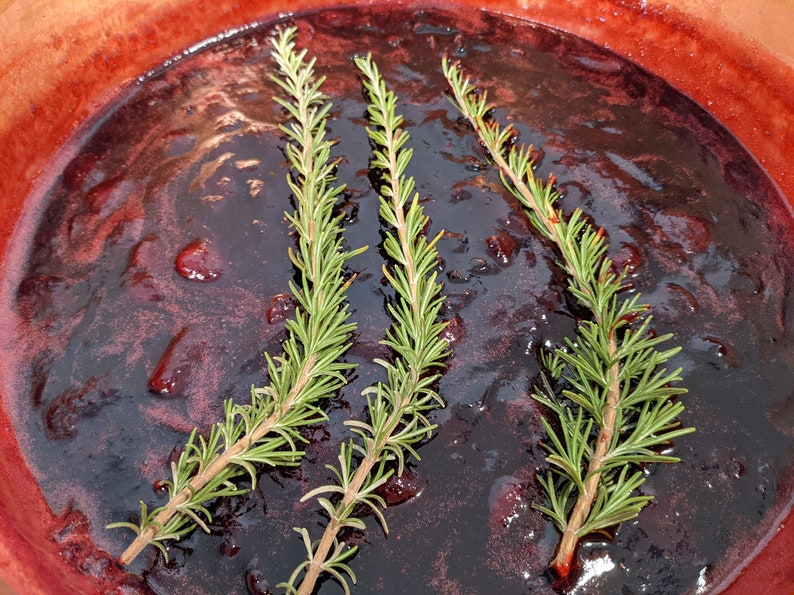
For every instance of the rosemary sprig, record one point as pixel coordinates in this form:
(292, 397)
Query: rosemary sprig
(267, 431)
(396, 408)
(617, 408)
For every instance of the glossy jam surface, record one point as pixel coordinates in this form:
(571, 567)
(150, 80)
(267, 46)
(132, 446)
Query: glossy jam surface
(158, 277)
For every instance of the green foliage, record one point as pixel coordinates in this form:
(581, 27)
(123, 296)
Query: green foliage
(615, 408)
(612, 402)
(267, 430)
(397, 421)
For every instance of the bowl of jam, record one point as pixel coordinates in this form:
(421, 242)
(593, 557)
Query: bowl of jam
(145, 273)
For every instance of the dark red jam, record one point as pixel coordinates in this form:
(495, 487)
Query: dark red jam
(159, 275)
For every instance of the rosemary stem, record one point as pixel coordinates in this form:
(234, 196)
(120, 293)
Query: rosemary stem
(368, 462)
(551, 221)
(218, 464)
(315, 566)
(563, 560)
(610, 416)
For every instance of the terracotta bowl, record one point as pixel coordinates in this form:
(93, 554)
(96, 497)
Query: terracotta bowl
(62, 60)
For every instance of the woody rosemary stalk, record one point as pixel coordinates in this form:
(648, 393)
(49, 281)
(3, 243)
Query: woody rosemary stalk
(397, 407)
(617, 407)
(266, 431)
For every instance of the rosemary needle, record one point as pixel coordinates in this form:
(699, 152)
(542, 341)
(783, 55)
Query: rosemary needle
(397, 407)
(267, 431)
(617, 406)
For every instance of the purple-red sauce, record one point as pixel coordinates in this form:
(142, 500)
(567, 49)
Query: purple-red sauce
(158, 276)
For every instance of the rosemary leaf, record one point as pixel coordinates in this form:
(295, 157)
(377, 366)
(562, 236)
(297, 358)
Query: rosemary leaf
(266, 431)
(618, 409)
(397, 407)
